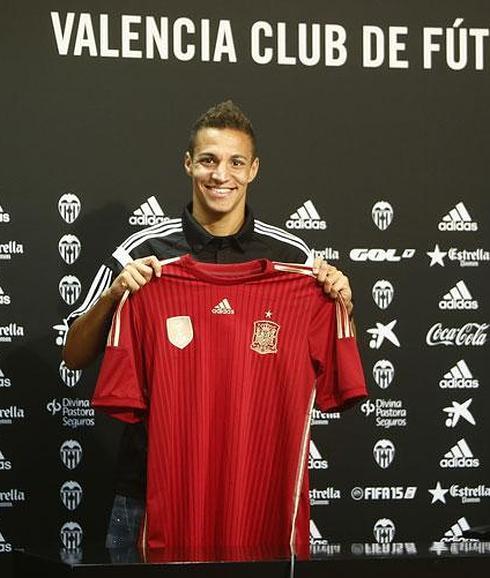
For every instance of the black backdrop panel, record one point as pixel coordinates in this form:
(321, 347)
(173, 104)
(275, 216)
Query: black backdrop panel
(407, 137)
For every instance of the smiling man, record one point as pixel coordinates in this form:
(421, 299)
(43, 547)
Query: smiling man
(217, 227)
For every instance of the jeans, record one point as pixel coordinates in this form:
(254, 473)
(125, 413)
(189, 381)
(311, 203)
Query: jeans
(124, 527)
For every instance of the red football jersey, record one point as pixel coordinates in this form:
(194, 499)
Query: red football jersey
(225, 362)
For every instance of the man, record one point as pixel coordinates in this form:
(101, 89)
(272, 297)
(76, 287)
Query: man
(217, 226)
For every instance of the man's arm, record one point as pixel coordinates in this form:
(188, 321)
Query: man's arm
(87, 335)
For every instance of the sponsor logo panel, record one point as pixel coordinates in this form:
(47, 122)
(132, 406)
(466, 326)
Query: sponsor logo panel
(459, 377)
(4, 298)
(383, 373)
(459, 297)
(383, 493)
(69, 376)
(4, 215)
(71, 453)
(455, 532)
(468, 335)
(319, 545)
(148, 213)
(391, 549)
(384, 453)
(384, 531)
(459, 456)
(363, 255)
(466, 494)
(5, 545)
(465, 257)
(11, 414)
(382, 332)
(382, 214)
(458, 219)
(457, 412)
(323, 497)
(319, 417)
(69, 207)
(5, 463)
(306, 217)
(70, 289)
(69, 247)
(71, 535)
(71, 494)
(10, 249)
(388, 413)
(4, 380)
(11, 332)
(315, 459)
(383, 293)
(9, 498)
(327, 254)
(73, 412)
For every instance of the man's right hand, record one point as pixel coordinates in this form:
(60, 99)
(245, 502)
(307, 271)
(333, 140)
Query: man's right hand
(87, 335)
(134, 276)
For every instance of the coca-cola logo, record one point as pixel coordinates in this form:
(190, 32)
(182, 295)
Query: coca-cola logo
(471, 335)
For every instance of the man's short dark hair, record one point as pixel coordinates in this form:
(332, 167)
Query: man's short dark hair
(223, 115)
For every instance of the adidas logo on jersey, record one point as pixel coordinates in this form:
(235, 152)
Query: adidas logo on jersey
(315, 460)
(223, 308)
(4, 216)
(459, 456)
(4, 299)
(459, 376)
(458, 219)
(458, 297)
(306, 217)
(149, 213)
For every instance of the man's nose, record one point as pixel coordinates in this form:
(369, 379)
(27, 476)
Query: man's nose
(220, 172)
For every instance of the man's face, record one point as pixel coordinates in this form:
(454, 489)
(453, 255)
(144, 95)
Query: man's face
(221, 168)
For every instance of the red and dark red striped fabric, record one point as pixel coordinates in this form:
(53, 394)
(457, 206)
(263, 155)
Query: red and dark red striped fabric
(224, 362)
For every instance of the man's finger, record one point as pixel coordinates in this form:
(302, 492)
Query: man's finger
(155, 264)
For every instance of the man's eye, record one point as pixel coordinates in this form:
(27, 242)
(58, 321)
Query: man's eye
(207, 161)
(237, 163)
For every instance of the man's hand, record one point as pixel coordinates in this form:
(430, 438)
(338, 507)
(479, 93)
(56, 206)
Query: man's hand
(334, 282)
(134, 276)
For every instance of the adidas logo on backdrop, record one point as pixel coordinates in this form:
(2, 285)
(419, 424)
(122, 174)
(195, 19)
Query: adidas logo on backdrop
(459, 377)
(315, 460)
(306, 217)
(458, 297)
(459, 456)
(4, 216)
(4, 298)
(455, 532)
(223, 308)
(148, 213)
(458, 219)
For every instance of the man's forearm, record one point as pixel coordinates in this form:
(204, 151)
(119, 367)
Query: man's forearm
(87, 335)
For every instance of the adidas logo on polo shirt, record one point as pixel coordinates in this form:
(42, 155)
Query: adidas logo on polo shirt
(458, 297)
(223, 308)
(306, 217)
(149, 213)
(459, 376)
(458, 219)
(459, 456)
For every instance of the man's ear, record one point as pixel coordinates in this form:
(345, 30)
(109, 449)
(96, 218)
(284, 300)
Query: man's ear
(188, 163)
(254, 169)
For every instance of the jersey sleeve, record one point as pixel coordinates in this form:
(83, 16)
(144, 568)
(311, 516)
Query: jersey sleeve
(120, 390)
(335, 357)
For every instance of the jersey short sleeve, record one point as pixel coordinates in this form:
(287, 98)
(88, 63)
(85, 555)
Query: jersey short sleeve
(120, 390)
(335, 356)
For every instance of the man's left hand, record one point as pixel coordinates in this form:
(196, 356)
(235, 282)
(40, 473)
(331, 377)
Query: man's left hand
(334, 282)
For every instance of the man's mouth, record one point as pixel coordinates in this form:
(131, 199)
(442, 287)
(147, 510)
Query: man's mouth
(220, 191)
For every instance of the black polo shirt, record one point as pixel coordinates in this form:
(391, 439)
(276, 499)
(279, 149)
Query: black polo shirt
(255, 240)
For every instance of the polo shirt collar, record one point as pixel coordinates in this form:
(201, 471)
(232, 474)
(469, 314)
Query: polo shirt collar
(197, 236)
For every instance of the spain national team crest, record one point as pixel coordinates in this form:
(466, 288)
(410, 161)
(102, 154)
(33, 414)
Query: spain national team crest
(264, 338)
(179, 331)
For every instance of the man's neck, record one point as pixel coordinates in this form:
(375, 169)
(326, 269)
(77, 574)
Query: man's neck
(219, 225)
